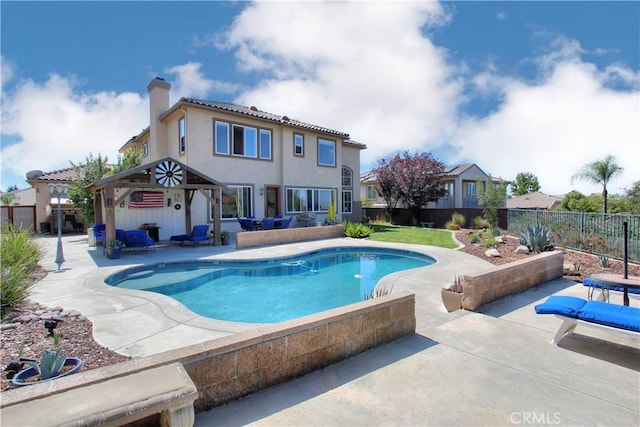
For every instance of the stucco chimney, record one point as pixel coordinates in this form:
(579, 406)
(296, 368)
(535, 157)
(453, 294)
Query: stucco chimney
(159, 91)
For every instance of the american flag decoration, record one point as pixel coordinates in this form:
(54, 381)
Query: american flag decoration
(168, 173)
(146, 199)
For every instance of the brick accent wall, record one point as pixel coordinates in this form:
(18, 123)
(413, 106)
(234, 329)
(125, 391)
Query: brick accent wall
(237, 365)
(246, 239)
(507, 279)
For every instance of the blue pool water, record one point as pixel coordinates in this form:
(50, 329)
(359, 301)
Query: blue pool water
(275, 290)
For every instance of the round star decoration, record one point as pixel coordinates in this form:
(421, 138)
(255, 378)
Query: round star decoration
(169, 174)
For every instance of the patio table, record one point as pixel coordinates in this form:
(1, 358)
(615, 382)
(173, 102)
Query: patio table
(618, 280)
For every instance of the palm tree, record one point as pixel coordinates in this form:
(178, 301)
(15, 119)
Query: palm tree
(599, 172)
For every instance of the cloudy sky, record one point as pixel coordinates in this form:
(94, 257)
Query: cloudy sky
(540, 87)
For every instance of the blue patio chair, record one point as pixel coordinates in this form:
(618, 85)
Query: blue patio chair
(268, 224)
(100, 233)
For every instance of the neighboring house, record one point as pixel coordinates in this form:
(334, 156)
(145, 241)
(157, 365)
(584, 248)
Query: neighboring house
(461, 183)
(24, 197)
(535, 200)
(46, 206)
(268, 164)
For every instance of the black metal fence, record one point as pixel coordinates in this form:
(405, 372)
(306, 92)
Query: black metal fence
(596, 233)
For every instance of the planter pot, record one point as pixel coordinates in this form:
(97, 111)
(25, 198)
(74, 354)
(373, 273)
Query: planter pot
(114, 253)
(452, 300)
(21, 377)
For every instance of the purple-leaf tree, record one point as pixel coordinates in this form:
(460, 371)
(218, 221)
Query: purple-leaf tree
(414, 180)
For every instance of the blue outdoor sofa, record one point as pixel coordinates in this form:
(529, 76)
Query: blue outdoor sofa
(137, 239)
(576, 311)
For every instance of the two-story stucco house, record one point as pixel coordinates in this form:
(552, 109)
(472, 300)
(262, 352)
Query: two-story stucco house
(461, 183)
(267, 164)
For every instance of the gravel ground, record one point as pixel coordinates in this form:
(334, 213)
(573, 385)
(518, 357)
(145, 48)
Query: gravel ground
(77, 337)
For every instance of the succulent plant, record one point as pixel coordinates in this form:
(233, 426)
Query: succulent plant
(537, 238)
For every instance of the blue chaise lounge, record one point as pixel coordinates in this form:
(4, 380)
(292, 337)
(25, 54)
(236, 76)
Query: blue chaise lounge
(577, 311)
(200, 233)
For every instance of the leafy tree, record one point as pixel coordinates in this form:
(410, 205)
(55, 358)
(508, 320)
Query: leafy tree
(131, 159)
(387, 185)
(492, 199)
(7, 198)
(94, 169)
(599, 172)
(12, 188)
(525, 183)
(633, 198)
(575, 201)
(412, 179)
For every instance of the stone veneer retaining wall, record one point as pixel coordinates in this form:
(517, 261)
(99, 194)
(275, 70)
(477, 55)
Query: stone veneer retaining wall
(247, 239)
(507, 279)
(231, 367)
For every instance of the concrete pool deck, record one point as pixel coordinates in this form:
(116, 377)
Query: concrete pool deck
(496, 367)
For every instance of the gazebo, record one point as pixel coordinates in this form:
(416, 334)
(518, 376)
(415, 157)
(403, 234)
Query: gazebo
(166, 173)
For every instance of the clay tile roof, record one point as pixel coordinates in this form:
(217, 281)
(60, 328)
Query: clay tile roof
(254, 112)
(67, 174)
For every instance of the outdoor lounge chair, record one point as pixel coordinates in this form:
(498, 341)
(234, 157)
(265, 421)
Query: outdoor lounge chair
(577, 311)
(138, 239)
(200, 233)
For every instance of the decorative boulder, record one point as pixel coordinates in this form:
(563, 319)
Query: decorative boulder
(522, 249)
(500, 239)
(492, 253)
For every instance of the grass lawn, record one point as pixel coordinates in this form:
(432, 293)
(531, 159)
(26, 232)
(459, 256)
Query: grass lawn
(415, 235)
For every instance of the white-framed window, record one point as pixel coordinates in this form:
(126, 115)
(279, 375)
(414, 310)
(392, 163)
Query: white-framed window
(145, 149)
(326, 152)
(298, 144)
(372, 192)
(265, 144)
(182, 132)
(245, 141)
(471, 189)
(236, 202)
(347, 177)
(308, 200)
(347, 201)
(242, 141)
(450, 187)
(221, 137)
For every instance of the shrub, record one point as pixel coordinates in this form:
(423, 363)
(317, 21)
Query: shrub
(458, 219)
(495, 232)
(20, 256)
(537, 238)
(479, 223)
(474, 238)
(357, 230)
(456, 284)
(450, 225)
(490, 242)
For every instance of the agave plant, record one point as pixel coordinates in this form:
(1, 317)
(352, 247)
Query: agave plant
(51, 362)
(537, 238)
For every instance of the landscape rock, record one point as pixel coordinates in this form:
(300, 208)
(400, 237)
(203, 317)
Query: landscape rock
(522, 249)
(493, 252)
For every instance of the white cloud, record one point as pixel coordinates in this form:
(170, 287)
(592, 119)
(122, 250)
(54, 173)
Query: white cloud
(554, 127)
(373, 73)
(191, 82)
(364, 70)
(54, 122)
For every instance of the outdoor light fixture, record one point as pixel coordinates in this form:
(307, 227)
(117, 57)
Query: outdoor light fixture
(262, 191)
(58, 191)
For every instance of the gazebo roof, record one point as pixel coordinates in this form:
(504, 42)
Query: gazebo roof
(163, 173)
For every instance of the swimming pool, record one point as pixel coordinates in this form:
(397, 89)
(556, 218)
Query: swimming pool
(274, 290)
